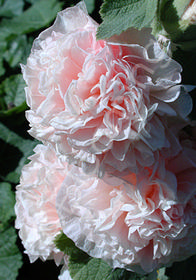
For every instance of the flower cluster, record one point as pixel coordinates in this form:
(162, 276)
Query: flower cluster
(115, 171)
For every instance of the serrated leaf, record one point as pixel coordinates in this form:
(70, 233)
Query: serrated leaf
(7, 202)
(94, 269)
(11, 8)
(82, 266)
(10, 257)
(37, 16)
(118, 16)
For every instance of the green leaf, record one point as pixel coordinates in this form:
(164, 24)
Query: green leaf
(119, 274)
(32, 1)
(171, 11)
(14, 90)
(10, 257)
(178, 30)
(37, 16)
(11, 8)
(82, 266)
(182, 35)
(118, 16)
(181, 6)
(18, 49)
(7, 202)
(3, 45)
(91, 270)
(66, 245)
(169, 17)
(12, 96)
(14, 153)
(90, 5)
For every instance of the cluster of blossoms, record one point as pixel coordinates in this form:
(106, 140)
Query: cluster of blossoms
(115, 170)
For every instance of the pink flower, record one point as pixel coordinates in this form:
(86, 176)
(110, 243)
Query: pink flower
(138, 222)
(99, 102)
(36, 216)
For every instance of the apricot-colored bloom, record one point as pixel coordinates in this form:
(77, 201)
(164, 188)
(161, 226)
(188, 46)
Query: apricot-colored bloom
(138, 222)
(36, 216)
(99, 102)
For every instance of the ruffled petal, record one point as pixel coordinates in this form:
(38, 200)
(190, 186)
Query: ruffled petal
(88, 96)
(136, 221)
(36, 216)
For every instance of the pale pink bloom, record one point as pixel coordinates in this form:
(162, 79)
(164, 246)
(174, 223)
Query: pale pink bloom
(99, 102)
(36, 216)
(138, 222)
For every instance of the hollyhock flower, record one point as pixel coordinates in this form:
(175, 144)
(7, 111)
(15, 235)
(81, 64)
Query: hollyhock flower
(99, 102)
(138, 222)
(36, 216)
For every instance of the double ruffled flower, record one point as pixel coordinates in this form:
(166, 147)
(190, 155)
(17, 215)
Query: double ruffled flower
(114, 109)
(99, 103)
(138, 222)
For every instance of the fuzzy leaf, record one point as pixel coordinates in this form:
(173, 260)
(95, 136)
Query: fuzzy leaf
(82, 266)
(118, 16)
(91, 270)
